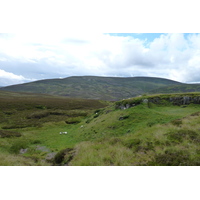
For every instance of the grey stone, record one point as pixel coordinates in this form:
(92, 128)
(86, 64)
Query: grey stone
(50, 156)
(145, 101)
(22, 151)
(186, 100)
(42, 148)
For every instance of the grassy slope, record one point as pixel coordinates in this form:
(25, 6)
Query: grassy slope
(177, 89)
(148, 136)
(141, 135)
(90, 87)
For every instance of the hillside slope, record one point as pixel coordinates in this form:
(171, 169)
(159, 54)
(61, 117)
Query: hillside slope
(153, 132)
(91, 87)
(181, 88)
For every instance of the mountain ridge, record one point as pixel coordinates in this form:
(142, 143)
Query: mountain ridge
(95, 87)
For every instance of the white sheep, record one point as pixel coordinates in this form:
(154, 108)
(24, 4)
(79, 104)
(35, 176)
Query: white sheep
(63, 133)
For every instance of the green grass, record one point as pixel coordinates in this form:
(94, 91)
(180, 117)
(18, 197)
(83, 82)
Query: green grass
(98, 133)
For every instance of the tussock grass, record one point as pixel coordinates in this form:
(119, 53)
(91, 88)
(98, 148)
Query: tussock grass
(97, 154)
(18, 160)
(172, 143)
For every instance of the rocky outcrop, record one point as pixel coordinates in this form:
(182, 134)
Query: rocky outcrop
(126, 106)
(177, 100)
(174, 100)
(185, 100)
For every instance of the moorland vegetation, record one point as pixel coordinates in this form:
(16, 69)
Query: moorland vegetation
(150, 130)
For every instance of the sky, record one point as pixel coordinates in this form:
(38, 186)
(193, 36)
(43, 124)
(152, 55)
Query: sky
(43, 39)
(26, 57)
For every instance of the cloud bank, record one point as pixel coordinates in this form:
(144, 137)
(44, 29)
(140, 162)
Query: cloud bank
(27, 57)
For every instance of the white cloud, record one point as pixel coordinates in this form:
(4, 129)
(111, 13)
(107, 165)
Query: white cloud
(50, 55)
(7, 78)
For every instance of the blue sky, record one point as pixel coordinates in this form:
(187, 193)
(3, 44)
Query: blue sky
(149, 37)
(142, 36)
(26, 57)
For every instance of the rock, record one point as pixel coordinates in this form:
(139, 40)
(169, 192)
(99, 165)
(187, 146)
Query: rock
(42, 148)
(186, 100)
(50, 156)
(145, 100)
(22, 151)
(122, 107)
(124, 117)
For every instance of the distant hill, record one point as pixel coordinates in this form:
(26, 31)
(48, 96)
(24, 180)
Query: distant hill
(92, 87)
(181, 88)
